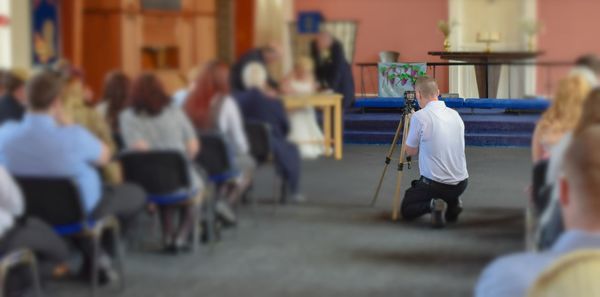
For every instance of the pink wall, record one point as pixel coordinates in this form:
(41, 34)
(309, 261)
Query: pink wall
(570, 29)
(406, 26)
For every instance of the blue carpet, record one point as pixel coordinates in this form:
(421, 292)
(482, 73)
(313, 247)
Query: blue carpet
(482, 127)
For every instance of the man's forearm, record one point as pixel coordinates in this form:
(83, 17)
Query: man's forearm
(412, 151)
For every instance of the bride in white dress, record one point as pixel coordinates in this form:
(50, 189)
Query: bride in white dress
(305, 131)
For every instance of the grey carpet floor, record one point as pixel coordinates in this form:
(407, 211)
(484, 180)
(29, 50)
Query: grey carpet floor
(335, 245)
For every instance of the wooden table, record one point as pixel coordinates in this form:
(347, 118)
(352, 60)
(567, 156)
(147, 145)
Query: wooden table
(331, 105)
(488, 76)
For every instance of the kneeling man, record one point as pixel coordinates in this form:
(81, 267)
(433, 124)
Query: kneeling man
(437, 135)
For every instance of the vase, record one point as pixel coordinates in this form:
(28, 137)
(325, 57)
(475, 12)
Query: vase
(531, 43)
(446, 44)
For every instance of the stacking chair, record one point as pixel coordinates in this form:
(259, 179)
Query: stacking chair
(540, 190)
(540, 197)
(575, 274)
(164, 175)
(57, 201)
(259, 139)
(215, 159)
(21, 257)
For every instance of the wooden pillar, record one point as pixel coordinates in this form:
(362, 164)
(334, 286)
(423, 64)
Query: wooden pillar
(244, 26)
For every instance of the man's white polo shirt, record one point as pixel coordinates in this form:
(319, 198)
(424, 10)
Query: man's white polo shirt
(439, 133)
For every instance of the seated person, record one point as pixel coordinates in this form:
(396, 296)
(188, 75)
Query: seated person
(76, 101)
(210, 107)
(45, 143)
(587, 66)
(257, 105)
(115, 98)
(266, 56)
(12, 101)
(579, 194)
(303, 122)
(180, 96)
(153, 123)
(437, 135)
(50, 250)
(550, 223)
(561, 117)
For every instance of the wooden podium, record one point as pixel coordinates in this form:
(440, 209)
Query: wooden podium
(487, 76)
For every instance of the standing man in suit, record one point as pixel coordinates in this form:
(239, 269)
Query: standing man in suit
(266, 56)
(331, 67)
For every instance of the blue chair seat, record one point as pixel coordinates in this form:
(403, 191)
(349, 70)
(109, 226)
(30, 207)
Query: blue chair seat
(172, 198)
(72, 229)
(224, 177)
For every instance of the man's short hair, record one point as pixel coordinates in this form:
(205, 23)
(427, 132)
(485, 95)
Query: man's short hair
(427, 86)
(12, 80)
(590, 61)
(43, 89)
(582, 168)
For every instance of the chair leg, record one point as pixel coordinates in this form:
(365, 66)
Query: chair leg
(196, 227)
(276, 197)
(210, 219)
(283, 192)
(95, 265)
(37, 287)
(119, 255)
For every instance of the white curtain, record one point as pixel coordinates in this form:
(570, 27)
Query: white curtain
(272, 18)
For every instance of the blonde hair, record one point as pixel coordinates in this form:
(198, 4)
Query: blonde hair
(305, 63)
(566, 107)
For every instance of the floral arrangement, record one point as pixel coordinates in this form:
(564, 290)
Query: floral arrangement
(532, 27)
(446, 27)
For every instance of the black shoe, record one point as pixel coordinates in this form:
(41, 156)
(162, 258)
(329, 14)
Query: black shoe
(453, 213)
(438, 213)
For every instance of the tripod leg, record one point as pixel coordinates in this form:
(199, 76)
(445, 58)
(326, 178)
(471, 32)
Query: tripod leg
(396, 204)
(388, 160)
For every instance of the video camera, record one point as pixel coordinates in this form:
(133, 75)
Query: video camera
(410, 101)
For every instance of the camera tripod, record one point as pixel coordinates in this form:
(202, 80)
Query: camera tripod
(403, 126)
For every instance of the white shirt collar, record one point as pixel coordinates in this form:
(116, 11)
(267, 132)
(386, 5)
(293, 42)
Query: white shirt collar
(435, 104)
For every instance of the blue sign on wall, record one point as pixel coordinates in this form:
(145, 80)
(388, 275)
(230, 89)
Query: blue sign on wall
(45, 31)
(309, 22)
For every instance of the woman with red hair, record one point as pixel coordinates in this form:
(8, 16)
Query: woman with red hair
(153, 123)
(210, 108)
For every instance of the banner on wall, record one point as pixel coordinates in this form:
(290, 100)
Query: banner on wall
(397, 78)
(45, 31)
(309, 22)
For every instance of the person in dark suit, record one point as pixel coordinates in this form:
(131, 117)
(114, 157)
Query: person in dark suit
(331, 68)
(257, 105)
(12, 101)
(265, 56)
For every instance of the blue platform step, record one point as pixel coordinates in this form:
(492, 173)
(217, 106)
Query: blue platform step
(491, 128)
(525, 104)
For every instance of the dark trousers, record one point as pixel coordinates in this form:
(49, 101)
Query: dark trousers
(37, 236)
(49, 249)
(288, 162)
(123, 201)
(417, 199)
